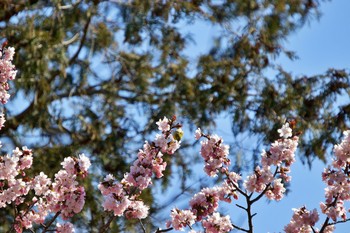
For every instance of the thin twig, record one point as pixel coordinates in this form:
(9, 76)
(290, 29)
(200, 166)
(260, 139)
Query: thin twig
(239, 228)
(86, 27)
(241, 207)
(51, 221)
(341, 221)
(143, 227)
(106, 226)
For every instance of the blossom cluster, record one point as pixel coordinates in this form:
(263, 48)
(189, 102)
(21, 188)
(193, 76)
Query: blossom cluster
(337, 192)
(7, 72)
(204, 204)
(337, 179)
(281, 155)
(123, 197)
(203, 209)
(62, 196)
(215, 154)
(301, 221)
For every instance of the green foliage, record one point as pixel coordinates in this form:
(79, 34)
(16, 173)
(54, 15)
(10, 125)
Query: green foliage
(90, 70)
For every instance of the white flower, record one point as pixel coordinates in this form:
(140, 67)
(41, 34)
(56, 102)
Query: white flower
(198, 134)
(285, 131)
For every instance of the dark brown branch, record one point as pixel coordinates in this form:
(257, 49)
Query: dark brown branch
(313, 230)
(243, 208)
(46, 228)
(106, 226)
(239, 228)
(342, 221)
(325, 224)
(82, 41)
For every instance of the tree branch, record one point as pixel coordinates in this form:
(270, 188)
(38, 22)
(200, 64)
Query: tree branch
(82, 41)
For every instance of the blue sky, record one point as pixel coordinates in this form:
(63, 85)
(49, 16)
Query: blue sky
(324, 43)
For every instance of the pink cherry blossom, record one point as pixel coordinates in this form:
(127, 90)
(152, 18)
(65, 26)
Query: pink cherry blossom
(161, 142)
(8, 72)
(302, 221)
(341, 151)
(121, 197)
(285, 131)
(116, 204)
(64, 196)
(136, 209)
(198, 134)
(334, 211)
(215, 154)
(217, 224)
(258, 181)
(182, 218)
(163, 125)
(41, 184)
(64, 228)
(84, 162)
(276, 191)
(205, 202)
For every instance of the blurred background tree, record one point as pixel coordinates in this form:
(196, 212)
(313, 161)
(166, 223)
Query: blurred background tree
(94, 76)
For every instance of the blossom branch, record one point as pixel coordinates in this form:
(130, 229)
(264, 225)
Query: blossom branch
(265, 190)
(46, 227)
(340, 221)
(325, 224)
(123, 197)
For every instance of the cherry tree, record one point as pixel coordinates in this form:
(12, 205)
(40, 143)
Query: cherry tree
(41, 202)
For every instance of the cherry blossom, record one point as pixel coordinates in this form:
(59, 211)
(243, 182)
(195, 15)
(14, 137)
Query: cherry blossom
(64, 228)
(285, 131)
(198, 134)
(8, 72)
(163, 125)
(121, 197)
(302, 221)
(182, 218)
(214, 153)
(217, 224)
